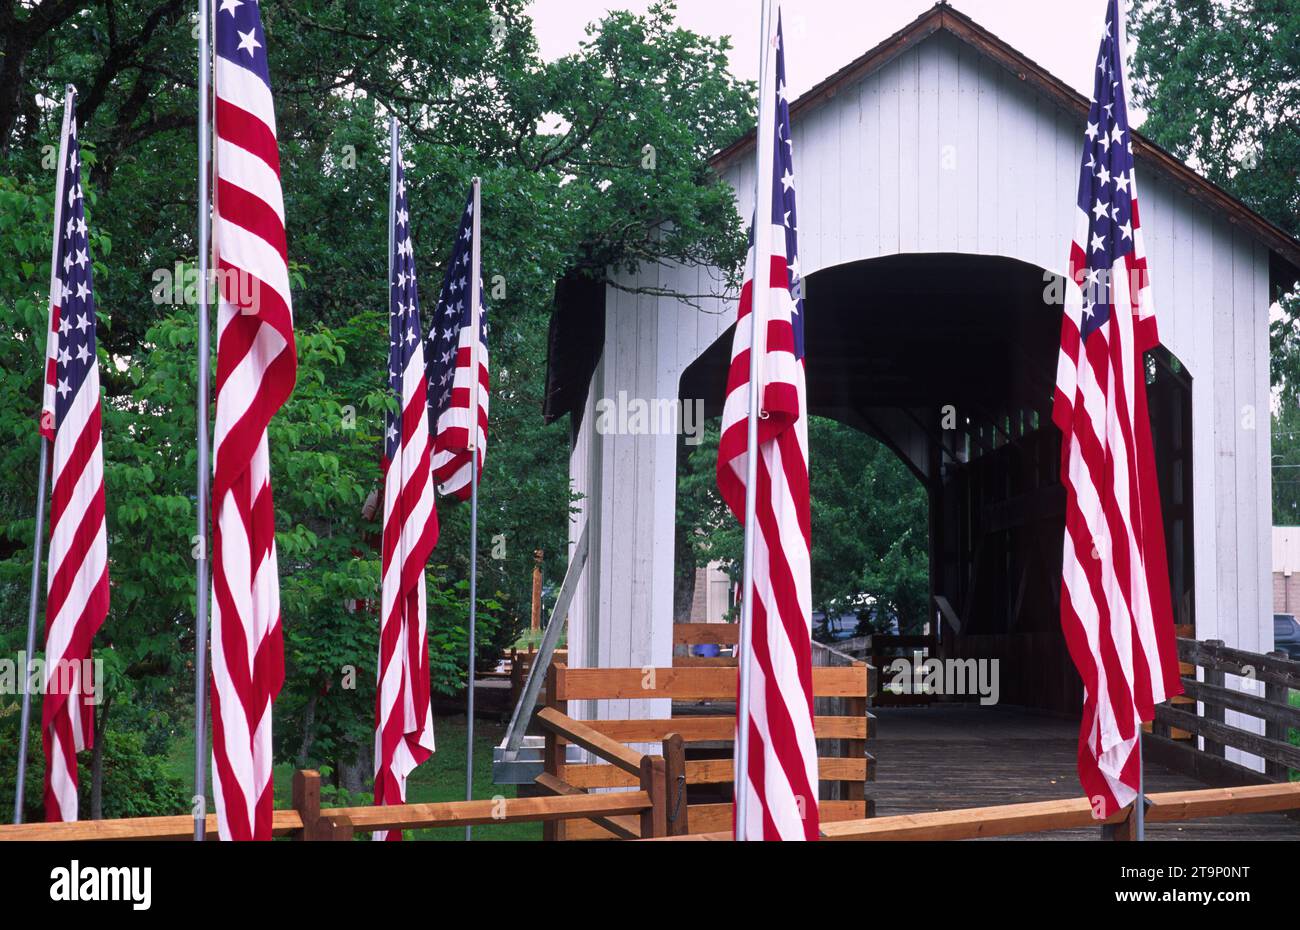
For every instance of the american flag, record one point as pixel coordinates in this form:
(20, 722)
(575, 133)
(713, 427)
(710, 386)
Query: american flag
(256, 367)
(782, 765)
(403, 715)
(450, 351)
(1115, 606)
(77, 583)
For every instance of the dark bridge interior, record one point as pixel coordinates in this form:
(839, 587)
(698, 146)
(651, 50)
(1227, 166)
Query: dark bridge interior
(950, 361)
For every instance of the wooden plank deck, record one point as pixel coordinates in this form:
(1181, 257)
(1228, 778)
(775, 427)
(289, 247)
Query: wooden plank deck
(949, 756)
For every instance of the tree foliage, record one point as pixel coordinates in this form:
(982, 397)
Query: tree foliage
(562, 150)
(1220, 82)
(870, 539)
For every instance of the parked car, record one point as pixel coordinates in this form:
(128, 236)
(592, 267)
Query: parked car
(1286, 634)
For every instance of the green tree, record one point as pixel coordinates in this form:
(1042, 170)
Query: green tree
(869, 533)
(592, 163)
(1220, 82)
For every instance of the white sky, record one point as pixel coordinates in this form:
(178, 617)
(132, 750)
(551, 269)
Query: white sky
(824, 35)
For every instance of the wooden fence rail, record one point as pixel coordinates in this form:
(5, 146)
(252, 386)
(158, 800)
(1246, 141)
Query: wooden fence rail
(309, 821)
(1272, 676)
(1044, 816)
(633, 814)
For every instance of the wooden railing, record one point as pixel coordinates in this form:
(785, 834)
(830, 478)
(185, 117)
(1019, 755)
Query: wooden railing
(703, 716)
(1046, 816)
(660, 778)
(309, 821)
(1272, 677)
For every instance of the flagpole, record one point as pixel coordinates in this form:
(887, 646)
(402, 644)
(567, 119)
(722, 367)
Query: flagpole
(69, 93)
(1140, 805)
(475, 297)
(25, 718)
(757, 349)
(203, 468)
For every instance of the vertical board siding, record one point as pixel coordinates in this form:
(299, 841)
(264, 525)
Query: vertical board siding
(941, 151)
(967, 151)
(888, 159)
(1204, 472)
(927, 151)
(909, 153)
(948, 130)
(1263, 567)
(1246, 427)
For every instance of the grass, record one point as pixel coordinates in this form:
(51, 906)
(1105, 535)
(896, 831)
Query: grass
(442, 778)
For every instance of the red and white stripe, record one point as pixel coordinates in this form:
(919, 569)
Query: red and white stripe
(452, 453)
(256, 368)
(1115, 591)
(404, 713)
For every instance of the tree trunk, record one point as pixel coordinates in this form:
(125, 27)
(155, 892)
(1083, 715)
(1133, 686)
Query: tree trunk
(308, 730)
(97, 761)
(357, 775)
(12, 60)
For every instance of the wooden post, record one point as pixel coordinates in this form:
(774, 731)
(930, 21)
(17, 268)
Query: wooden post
(306, 801)
(873, 659)
(553, 754)
(857, 748)
(536, 623)
(675, 782)
(1125, 831)
(1275, 694)
(654, 821)
(1214, 712)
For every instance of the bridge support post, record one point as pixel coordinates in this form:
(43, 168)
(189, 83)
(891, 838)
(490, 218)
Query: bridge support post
(1276, 694)
(1214, 676)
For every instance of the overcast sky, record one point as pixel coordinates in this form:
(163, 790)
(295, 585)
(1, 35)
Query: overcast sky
(824, 35)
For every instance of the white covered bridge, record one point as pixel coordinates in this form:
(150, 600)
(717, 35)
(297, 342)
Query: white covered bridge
(937, 180)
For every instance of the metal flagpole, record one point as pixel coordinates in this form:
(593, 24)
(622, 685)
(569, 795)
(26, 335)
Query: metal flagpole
(1140, 805)
(475, 297)
(203, 467)
(42, 479)
(758, 340)
(26, 716)
(1139, 809)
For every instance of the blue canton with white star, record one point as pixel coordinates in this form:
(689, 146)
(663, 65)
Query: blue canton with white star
(73, 268)
(451, 315)
(1106, 178)
(783, 206)
(403, 314)
(239, 36)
